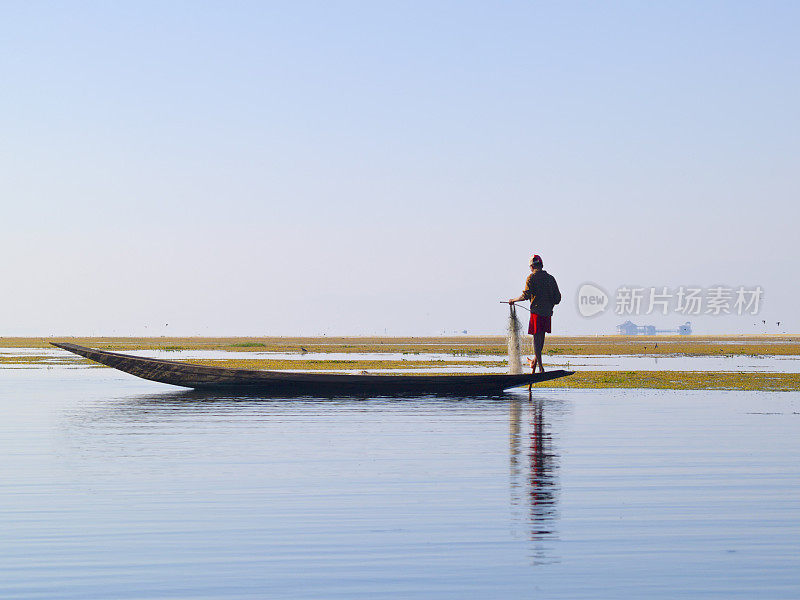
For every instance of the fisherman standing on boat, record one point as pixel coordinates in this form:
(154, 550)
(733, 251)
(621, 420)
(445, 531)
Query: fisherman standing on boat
(542, 290)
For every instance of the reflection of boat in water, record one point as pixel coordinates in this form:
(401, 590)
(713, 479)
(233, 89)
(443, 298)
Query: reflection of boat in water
(283, 382)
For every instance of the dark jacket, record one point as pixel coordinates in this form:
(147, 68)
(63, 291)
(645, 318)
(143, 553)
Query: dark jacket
(542, 290)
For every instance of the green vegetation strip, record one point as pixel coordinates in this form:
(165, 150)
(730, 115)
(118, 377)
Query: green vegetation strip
(679, 380)
(34, 361)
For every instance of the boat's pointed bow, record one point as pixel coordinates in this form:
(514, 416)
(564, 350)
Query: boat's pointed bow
(74, 348)
(62, 345)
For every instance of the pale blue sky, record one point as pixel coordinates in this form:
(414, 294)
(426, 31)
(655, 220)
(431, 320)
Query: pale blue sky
(360, 167)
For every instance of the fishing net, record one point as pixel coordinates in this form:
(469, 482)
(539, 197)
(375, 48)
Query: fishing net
(513, 338)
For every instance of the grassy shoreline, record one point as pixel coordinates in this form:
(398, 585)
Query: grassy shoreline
(679, 380)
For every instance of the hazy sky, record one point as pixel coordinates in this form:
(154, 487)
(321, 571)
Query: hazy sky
(294, 168)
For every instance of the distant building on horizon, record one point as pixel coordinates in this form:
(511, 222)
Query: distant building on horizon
(630, 328)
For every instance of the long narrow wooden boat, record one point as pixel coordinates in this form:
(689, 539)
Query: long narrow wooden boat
(280, 382)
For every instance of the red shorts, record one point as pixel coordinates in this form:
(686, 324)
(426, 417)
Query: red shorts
(538, 324)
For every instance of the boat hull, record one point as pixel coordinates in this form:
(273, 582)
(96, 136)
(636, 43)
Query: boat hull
(290, 383)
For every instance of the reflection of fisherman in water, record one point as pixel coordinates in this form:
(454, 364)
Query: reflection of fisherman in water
(542, 491)
(538, 474)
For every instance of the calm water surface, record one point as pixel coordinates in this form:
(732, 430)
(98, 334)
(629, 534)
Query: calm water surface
(113, 487)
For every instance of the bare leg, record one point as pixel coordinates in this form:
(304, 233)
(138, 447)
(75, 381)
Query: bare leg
(538, 344)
